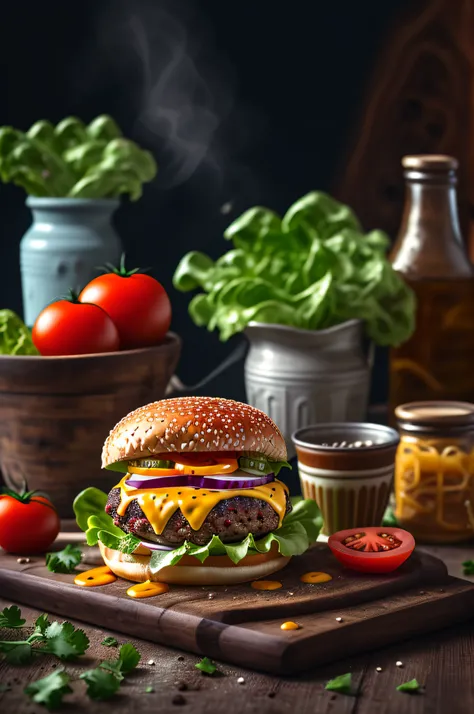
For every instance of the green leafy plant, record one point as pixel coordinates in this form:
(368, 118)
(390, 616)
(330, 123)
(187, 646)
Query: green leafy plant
(299, 529)
(312, 269)
(64, 561)
(74, 160)
(15, 337)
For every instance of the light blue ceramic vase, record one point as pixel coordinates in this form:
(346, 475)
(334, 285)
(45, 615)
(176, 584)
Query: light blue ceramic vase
(68, 239)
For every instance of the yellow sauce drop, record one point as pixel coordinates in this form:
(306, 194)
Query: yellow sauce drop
(95, 577)
(315, 577)
(147, 589)
(266, 585)
(290, 626)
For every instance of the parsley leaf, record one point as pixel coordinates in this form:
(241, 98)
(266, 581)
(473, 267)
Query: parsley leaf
(64, 641)
(11, 617)
(149, 690)
(109, 642)
(113, 666)
(41, 625)
(411, 687)
(64, 561)
(127, 660)
(100, 683)
(129, 657)
(16, 652)
(206, 666)
(340, 684)
(49, 690)
(468, 566)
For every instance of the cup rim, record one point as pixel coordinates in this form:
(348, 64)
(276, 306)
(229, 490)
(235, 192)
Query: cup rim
(392, 437)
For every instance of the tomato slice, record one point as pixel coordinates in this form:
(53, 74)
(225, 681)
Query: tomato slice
(376, 549)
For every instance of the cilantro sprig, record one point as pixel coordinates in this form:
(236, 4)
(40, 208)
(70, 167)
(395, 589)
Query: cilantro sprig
(11, 617)
(62, 640)
(65, 642)
(64, 561)
(50, 690)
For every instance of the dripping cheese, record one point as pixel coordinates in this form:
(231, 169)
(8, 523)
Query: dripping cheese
(195, 504)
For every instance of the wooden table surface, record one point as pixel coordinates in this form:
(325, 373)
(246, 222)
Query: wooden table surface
(442, 662)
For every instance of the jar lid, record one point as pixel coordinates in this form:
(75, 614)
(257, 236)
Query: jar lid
(430, 162)
(436, 414)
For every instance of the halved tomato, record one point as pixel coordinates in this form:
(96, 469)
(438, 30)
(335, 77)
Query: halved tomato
(372, 550)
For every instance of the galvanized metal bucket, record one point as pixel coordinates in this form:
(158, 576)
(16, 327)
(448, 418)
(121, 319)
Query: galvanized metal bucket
(302, 377)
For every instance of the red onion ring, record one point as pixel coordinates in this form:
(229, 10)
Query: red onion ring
(156, 546)
(218, 483)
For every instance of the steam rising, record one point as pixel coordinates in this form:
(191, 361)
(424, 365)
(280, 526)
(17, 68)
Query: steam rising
(179, 105)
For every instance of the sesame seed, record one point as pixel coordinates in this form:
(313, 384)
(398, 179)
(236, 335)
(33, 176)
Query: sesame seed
(399, 664)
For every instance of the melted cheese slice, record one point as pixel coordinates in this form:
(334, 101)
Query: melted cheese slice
(159, 504)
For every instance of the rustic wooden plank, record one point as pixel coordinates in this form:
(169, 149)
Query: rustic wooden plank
(376, 610)
(441, 661)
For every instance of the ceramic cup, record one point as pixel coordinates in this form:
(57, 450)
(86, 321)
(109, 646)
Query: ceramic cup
(347, 469)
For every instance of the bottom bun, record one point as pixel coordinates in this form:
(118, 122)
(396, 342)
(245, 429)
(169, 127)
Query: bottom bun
(216, 570)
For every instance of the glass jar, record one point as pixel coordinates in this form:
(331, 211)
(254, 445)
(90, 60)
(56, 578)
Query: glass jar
(434, 470)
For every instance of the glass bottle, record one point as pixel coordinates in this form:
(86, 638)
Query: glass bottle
(437, 362)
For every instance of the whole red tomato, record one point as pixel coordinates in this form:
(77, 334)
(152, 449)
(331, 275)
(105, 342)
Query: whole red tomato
(137, 303)
(29, 523)
(69, 327)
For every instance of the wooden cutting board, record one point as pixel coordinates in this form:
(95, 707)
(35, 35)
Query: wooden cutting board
(241, 625)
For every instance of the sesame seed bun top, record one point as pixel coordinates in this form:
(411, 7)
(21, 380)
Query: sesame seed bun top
(189, 424)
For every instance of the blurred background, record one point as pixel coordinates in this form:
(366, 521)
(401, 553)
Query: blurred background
(242, 104)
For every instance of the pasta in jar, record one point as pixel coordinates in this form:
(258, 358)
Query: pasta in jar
(434, 471)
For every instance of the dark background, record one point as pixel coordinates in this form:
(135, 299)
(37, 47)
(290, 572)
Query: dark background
(241, 102)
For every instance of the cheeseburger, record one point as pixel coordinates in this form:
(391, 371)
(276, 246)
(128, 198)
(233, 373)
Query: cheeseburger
(199, 501)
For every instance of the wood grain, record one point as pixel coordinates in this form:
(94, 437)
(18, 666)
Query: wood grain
(242, 626)
(441, 661)
(55, 413)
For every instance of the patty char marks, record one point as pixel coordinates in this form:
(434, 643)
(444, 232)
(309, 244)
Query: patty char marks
(231, 519)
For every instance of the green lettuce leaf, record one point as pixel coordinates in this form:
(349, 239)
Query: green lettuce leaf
(299, 529)
(312, 269)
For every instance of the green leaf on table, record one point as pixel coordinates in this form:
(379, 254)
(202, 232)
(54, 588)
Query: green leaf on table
(109, 642)
(149, 690)
(50, 690)
(468, 567)
(64, 641)
(16, 653)
(41, 625)
(206, 665)
(64, 561)
(11, 617)
(100, 683)
(128, 659)
(410, 687)
(340, 684)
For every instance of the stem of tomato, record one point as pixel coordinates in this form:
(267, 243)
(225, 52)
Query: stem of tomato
(121, 269)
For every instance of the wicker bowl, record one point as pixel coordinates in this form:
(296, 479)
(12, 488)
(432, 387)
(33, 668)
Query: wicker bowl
(56, 412)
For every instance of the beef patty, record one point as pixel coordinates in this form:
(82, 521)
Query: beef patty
(232, 520)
